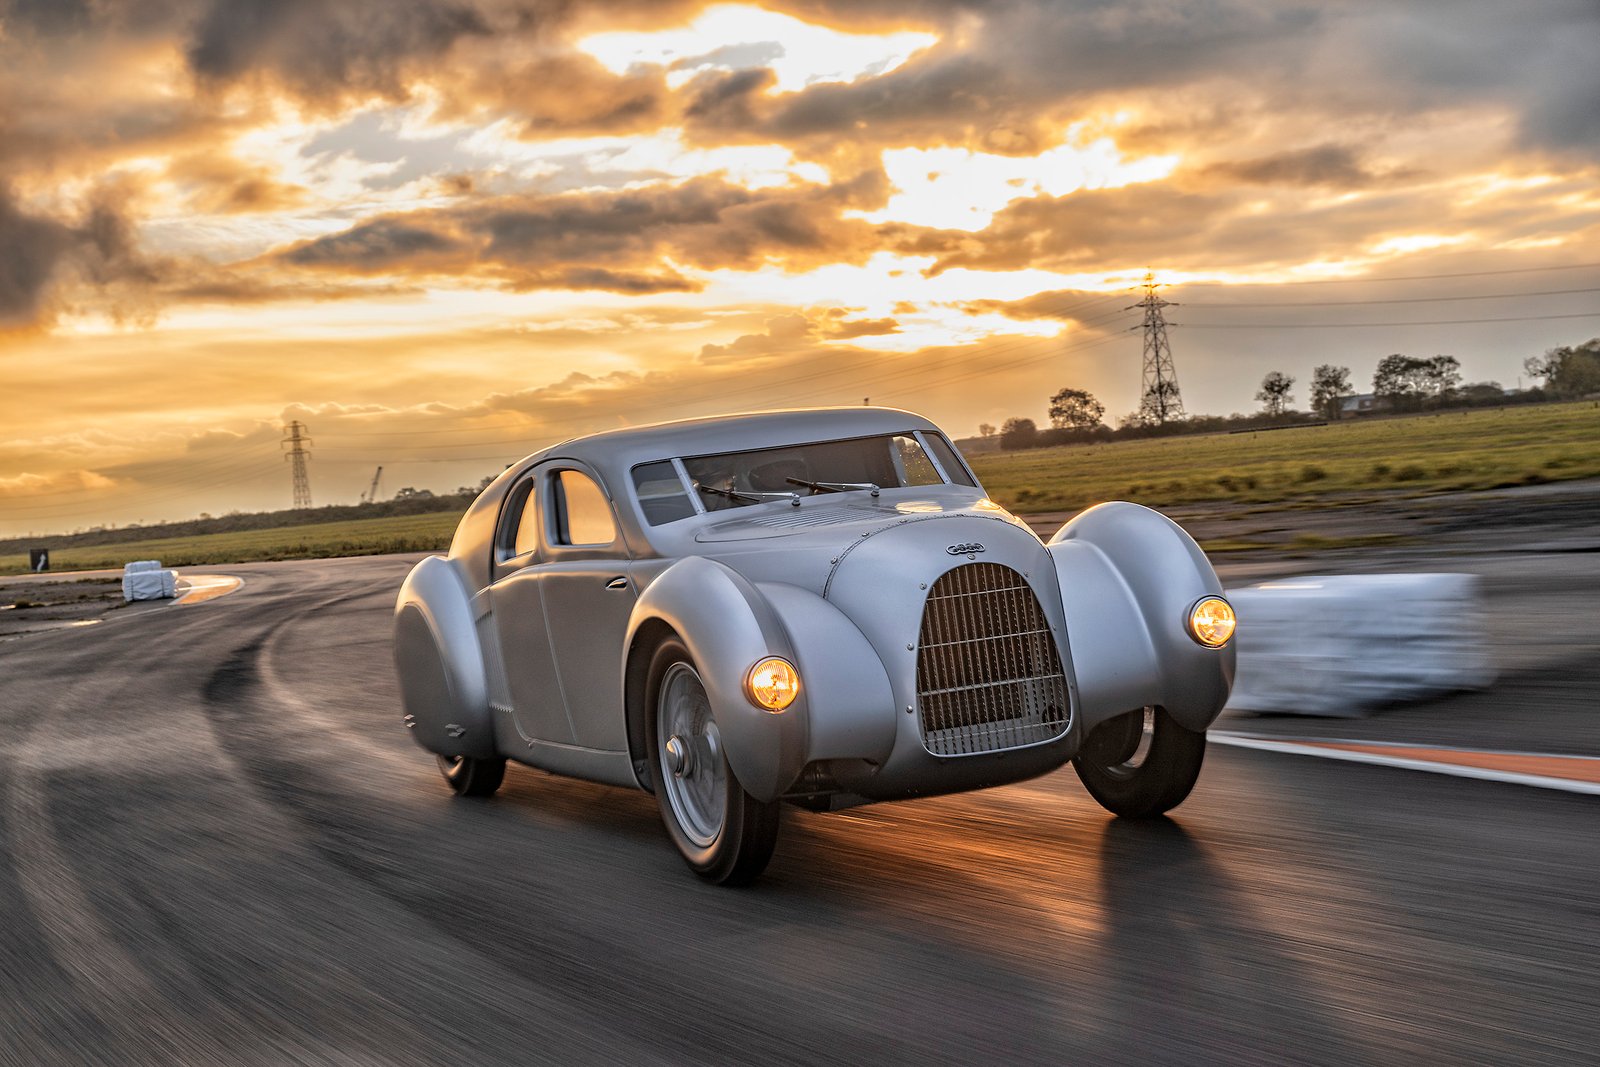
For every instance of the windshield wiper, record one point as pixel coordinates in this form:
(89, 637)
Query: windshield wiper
(833, 487)
(756, 498)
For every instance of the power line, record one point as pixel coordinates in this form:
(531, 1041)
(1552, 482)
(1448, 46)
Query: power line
(693, 392)
(404, 433)
(919, 374)
(763, 387)
(1406, 300)
(188, 490)
(178, 477)
(1349, 325)
(1430, 277)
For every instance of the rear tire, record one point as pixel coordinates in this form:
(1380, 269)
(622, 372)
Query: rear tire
(1140, 764)
(470, 777)
(724, 834)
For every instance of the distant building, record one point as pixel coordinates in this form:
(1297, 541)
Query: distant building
(1362, 404)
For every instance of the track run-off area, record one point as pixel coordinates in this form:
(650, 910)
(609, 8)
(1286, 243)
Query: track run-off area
(218, 845)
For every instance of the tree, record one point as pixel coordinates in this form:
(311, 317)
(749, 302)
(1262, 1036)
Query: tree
(1569, 370)
(1160, 403)
(1274, 393)
(985, 429)
(1075, 409)
(1018, 433)
(1442, 376)
(1540, 366)
(1402, 381)
(1329, 386)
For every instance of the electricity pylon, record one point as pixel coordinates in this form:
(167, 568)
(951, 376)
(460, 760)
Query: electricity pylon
(295, 436)
(1159, 399)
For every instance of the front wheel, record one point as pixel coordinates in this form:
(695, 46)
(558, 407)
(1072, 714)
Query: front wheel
(1140, 764)
(471, 777)
(725, 834)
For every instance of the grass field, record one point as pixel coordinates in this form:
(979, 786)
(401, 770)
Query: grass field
(1455, 450)
(1431, 453)
(361, 537)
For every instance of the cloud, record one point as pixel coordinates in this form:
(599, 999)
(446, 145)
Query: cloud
(619, 240)
(28, 485)
(221, 184)
(35, 248)
(43, 254)
(321, 50)
(1333, 165)
(789, 335)
(557, 94)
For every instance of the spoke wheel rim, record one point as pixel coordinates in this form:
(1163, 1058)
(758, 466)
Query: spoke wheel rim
(699, 793)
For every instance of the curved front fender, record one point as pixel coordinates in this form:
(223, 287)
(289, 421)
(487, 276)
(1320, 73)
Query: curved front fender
(727, 626)
(1129, 576)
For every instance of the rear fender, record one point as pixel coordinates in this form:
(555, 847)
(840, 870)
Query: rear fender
(1129, 577)
(437, 655)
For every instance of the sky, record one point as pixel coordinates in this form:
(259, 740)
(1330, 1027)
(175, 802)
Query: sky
(443, 234)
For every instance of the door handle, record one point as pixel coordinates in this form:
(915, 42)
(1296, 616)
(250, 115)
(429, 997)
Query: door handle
(619, 582)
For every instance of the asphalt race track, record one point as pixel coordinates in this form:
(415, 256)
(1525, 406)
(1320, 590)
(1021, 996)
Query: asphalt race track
(219, 846)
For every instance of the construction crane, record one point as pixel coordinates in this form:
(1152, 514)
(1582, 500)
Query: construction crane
(371, 495)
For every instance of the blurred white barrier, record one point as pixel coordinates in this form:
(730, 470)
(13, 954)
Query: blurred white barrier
(146, 580)
(1344, 645)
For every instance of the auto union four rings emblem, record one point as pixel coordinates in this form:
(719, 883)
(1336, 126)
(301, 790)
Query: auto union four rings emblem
(971, 548)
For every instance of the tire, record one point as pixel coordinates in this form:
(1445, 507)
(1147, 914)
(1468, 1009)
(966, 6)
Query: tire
(1141, 764)
(723, 833)
(471, 777)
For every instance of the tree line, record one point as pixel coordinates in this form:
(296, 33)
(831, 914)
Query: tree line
(1400, 383)
(407, 501)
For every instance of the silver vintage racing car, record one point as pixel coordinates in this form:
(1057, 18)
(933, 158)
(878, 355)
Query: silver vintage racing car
(815, 607)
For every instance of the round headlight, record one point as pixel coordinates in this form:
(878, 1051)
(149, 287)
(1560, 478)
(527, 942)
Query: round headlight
(1211, 621)
(772, 684)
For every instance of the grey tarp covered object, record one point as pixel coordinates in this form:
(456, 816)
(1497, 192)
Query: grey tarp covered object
(146, 580)
(1345, 644)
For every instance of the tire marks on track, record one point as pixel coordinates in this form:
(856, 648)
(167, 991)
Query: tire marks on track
(295, 766)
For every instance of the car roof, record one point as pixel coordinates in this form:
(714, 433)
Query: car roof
(619, 450)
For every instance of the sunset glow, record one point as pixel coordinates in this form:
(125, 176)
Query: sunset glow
(730, 37)
(457, 230)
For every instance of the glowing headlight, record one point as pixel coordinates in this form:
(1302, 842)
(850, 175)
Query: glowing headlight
(772, 684)
(1211, 621)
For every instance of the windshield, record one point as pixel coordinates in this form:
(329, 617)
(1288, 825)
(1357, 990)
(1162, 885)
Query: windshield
(740, 479)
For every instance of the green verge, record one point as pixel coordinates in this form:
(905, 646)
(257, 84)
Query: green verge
(359, 537)
(1432, 453)
(1295, 468)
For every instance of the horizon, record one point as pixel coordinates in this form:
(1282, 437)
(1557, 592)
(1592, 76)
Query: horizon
(454, 233)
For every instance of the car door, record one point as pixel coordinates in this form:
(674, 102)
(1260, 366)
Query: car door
(517, 601)
(588, 598)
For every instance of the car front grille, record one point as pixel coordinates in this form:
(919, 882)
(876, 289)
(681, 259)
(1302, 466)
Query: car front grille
(988, 674)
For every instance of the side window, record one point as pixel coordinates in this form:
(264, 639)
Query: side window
(583, 516)
(519, 531)
(527, 524)
(945, 452)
